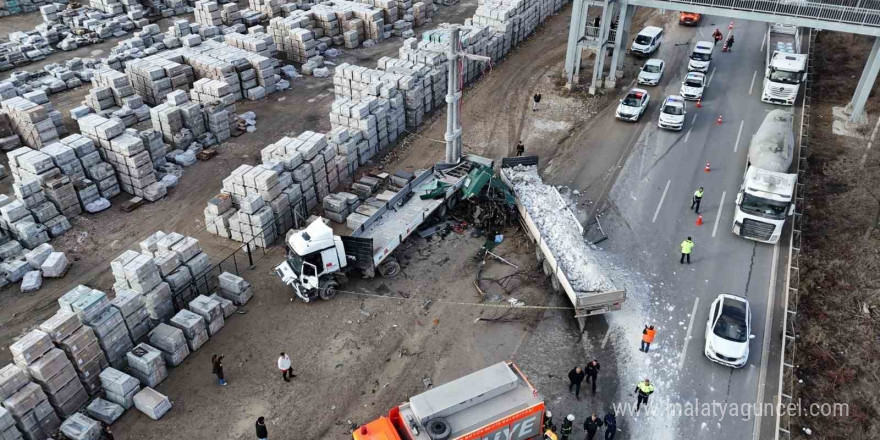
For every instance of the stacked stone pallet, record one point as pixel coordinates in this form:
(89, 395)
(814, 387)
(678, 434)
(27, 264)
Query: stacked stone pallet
(8, 137)
(147, 364)
(335, 208)
(14, 266)
(210, 310)
(29, 218)
(374, 117)
(27, 165)
(294, 37)
(193, 263)
(181, 123)
(346, 141)
(155, 77)
(95, 169)
(254, 83)
(272, 8)
(171, 342)
(94, 310)
(8, 430)
(155, 146)
(140, 274)
(119, 387)
(220, 97)
(81, 346)
(254, 222)
(260, 44)
(81, 427)
(152, 403)
(207, 13)
(125, 151)
(29, 406)
(360, 82)
(50, 368)
(40, 97)
(230, 15)
(103, 410)
(207, 67)
(134, 313)
(193, 326)
(49, 263)
(30, 121)
(128, 106)
(235, 288)
(433, 78)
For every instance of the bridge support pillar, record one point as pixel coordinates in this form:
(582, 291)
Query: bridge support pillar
(856, 107)
(576, 31)
(624, 22)
(599, 63)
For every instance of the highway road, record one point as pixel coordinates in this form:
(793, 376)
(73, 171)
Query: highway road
(648, 193)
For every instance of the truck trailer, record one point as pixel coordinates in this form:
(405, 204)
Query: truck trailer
(785, 66)
(318, 261)
(497, 402)
(765, 197)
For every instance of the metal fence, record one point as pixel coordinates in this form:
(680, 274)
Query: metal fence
(787, 374)
(865, 12)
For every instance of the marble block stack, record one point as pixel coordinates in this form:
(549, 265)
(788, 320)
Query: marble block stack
(293, 36)
(127, 107)
(140, 274)
(193, 327)
(8, 430)
(50, 368)
(154, 77)
(218, 213)
(234, 288)
(29, 406)
(95, 169)
(193, 264)
(171, 342)
(134, 313)
(348, 143)
(119, 387)
(210, 310)
(81, 427)
(28, 166)
(147, 364)
(152, 403)
(30, 121)
(207, 13)
(81, 346)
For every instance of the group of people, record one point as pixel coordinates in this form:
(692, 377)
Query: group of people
(717, 36)
(591, 426)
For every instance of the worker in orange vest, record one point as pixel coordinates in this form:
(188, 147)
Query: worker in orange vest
(647, 338)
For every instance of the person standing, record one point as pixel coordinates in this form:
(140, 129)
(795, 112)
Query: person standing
(592, 425)
(537, 100)
(548, 420)
(575, 378)
(592, 371)
(217, 368)
(107, 434)
(596, 21)
(284, 366)
(686, 247)
(567, 426)
(262, 432)
(520, 149)
(610, 425)
(698, 197)
(643, 390)
(717, 36)
(730, 43)
(647, 338)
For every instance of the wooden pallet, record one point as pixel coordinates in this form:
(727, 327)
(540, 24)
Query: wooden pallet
(131, 204)
(206, 154)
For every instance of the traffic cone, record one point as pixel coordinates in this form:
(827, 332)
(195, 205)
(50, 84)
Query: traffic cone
(730, 26)
(708, 167)
(700, 220)
(699, 102)
(719, 121)
(724, 48)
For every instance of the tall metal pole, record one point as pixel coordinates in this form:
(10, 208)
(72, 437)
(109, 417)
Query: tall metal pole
(453, 95)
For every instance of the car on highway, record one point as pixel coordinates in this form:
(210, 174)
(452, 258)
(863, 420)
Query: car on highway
(647, 41)
(633, 106)
(728, 331)
(701, 56)
(651, 72)
(672, 113)
(689, 18)
(693, 86)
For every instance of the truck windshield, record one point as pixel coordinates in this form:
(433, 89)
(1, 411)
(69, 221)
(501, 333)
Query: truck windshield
(295, 261)
(697, 56)
(764, 207)
(785, 77)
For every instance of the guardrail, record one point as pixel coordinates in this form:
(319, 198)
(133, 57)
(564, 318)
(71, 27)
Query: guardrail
(787, 377)
(866, 12)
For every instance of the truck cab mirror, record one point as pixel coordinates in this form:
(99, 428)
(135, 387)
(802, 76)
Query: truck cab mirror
(739, 198)
(751, 336)
(791, 210)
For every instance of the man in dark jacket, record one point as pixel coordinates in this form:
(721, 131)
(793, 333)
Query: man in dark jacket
(592, 372)
(610, 425)
(262, 433)
(592, 425)
(575, 377)
(520, 149)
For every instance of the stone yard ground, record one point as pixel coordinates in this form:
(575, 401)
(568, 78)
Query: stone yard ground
(356, 356)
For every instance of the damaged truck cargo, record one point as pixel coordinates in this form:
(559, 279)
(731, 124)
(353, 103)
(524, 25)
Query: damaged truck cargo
(566, 258)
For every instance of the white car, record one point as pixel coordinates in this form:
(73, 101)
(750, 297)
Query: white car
(634, 105)
(728, 331)
(672, 113)
(693, 86)
(651, 72)
(701, 57)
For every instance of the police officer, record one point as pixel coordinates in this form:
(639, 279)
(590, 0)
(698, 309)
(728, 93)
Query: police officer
(550, 434)
(592, 371)
(610, 425)
(592, 425)
(548, 420)
(686, 247)
(698, 197)
(567, 426)
(643, 390)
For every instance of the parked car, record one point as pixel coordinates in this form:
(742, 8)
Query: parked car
(672, 113)
(633, 106)
(651, 72)
(693, 86)
(728, 331)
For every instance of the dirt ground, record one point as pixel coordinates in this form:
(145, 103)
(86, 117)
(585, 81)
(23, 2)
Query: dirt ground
(839, 305)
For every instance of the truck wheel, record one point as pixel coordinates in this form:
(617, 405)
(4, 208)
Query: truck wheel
(342, 279)
(328, 290)
(389, 269)
(547, 270)
(441, 212)
(554, 283)
(438, 429)
(539, 255)
(452, 202)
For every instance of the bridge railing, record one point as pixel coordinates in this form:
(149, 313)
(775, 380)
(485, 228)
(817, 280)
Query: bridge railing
(864, 12)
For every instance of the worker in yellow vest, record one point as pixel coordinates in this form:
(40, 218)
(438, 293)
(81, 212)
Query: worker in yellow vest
(550, 434)
(698, 197)
(686, 247)
(643, 390)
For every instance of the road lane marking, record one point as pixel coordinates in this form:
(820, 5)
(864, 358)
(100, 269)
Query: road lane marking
(738, 134)
(768, 324)
(687, 336)
(661, 201)
(695, 118)
(754, 75)
(688, 134)
(711, 75)
(607, 335)
(718, 216)
(763, 42)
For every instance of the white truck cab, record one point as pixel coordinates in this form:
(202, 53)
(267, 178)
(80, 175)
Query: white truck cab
(785, 67)
(312, 253)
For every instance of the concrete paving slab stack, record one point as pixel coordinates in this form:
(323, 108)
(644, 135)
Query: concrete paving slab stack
(81, 427)
(172, 342)
(230, 15)
(94, 168)
(228, 306)
(43, 189)
(210, 310)
(108, 325)
(8, 137)
(155, 146)
(432, 74)
(104, 411)
(154, 76)
(193, 326)
(207, 13)
(152, 403)
(235, 288)
(31, 121)
(134, 313)
(190, 256)
(294, 37)
(119, 387)
(346, 142)
(8, 430)
(81, 346)
(30, 408)
(156, 293)
(52, 371)
(272, 8)
(129, 107)
(147, 364)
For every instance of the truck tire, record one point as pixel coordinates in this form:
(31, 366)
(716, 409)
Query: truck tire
(539, 255)
(554, 283)
(441, 212)
(547, 270)
(389, 269)
(328, 290)
(452, 202)
(438, 429)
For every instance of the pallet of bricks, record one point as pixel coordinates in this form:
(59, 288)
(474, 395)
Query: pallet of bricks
(187, 127)
(113, 96)
(432, 75)
(155, 76)
(180, 262)
(31, 121)
(369, 116)
(294, 35)
(8, 137)
(254, 82)
(382, 100)
(271, 8)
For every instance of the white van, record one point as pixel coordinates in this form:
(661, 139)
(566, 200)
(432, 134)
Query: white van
(647, 41)
(701, 57)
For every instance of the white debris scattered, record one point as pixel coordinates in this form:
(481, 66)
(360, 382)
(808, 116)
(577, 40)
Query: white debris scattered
(98, 205)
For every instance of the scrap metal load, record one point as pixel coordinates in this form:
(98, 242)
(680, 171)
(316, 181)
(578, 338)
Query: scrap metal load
(566, 257)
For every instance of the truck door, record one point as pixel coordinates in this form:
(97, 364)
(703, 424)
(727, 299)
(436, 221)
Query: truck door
(310, 275)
